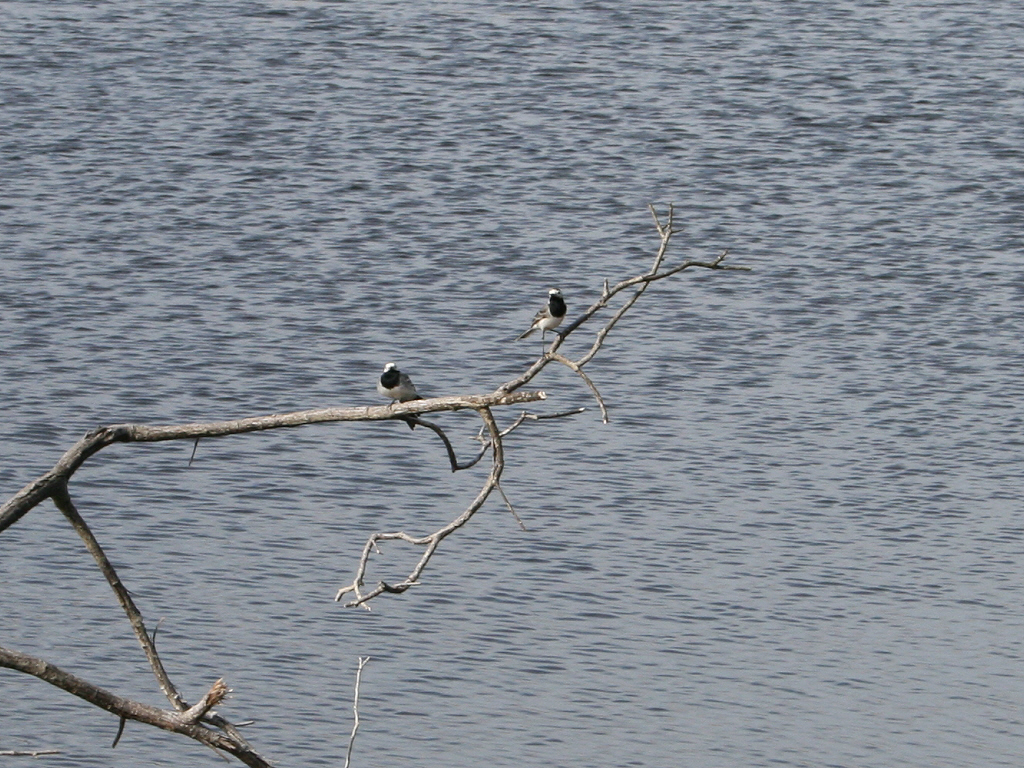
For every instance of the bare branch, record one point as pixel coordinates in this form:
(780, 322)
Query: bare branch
(43, 487)
(355, 710)
(431, 541)
(573, 366)
(178, 722)
(120, 731)
(640, 282)
(452, 458)
(509, 505)
(654, 214)
(62, 499)
(523, 418)
(643, 281)
(665, 231)
(195, 721)
(559, 415)
(540, 417)
(436, 429)
(217, 693)
(607, 294)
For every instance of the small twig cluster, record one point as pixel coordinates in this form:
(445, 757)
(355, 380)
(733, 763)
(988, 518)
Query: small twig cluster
(665, 230)
(200, 721)
(493, 439)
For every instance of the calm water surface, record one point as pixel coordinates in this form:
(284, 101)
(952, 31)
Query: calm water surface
(798, 542)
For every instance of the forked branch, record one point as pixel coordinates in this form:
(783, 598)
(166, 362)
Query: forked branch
(44, 487)
(431, 541)
(641, 282)
(191, 721)
(492, 440)
(199, 721)
(186, 723)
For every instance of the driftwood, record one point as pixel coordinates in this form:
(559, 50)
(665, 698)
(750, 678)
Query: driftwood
(200, 721)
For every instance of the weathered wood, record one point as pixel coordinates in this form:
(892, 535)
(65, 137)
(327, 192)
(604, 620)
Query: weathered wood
(98, 439)
(198, 721)
(177, 722)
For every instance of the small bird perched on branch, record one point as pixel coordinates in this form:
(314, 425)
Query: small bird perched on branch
(396, 385)
(550, 317)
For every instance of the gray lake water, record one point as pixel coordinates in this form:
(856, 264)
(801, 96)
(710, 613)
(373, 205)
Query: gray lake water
(797, 543)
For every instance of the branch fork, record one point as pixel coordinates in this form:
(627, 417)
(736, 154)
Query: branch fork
(200, 721)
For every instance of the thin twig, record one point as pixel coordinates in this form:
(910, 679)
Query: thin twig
(452, 458)
(559, 415)
(363, 661)
(431, 541)
(509, 505)
(120, 731)
(573, 366)
(665, 231)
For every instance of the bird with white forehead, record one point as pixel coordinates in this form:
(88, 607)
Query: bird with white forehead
(396, 385)
(550, 317)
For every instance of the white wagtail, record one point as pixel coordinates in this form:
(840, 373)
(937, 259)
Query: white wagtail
(396, 385)
(550, 317)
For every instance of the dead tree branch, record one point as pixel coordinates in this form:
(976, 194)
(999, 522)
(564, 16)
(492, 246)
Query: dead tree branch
(572, 365)
(43, 487)
(453, 459)
(431, 541)
(62, 499)
(363, 661)
(199, 721)
(493, 438)
(665, 231)
(185, 723)
(54, 485)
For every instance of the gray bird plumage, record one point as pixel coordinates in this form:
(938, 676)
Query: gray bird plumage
(550, 317)
(396, 385)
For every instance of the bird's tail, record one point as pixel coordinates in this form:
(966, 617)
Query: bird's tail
(524, 335)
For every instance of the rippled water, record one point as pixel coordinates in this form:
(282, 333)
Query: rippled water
(798, 541)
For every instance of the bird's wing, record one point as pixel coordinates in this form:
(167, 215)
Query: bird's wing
(407, 382)
(541, 314)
